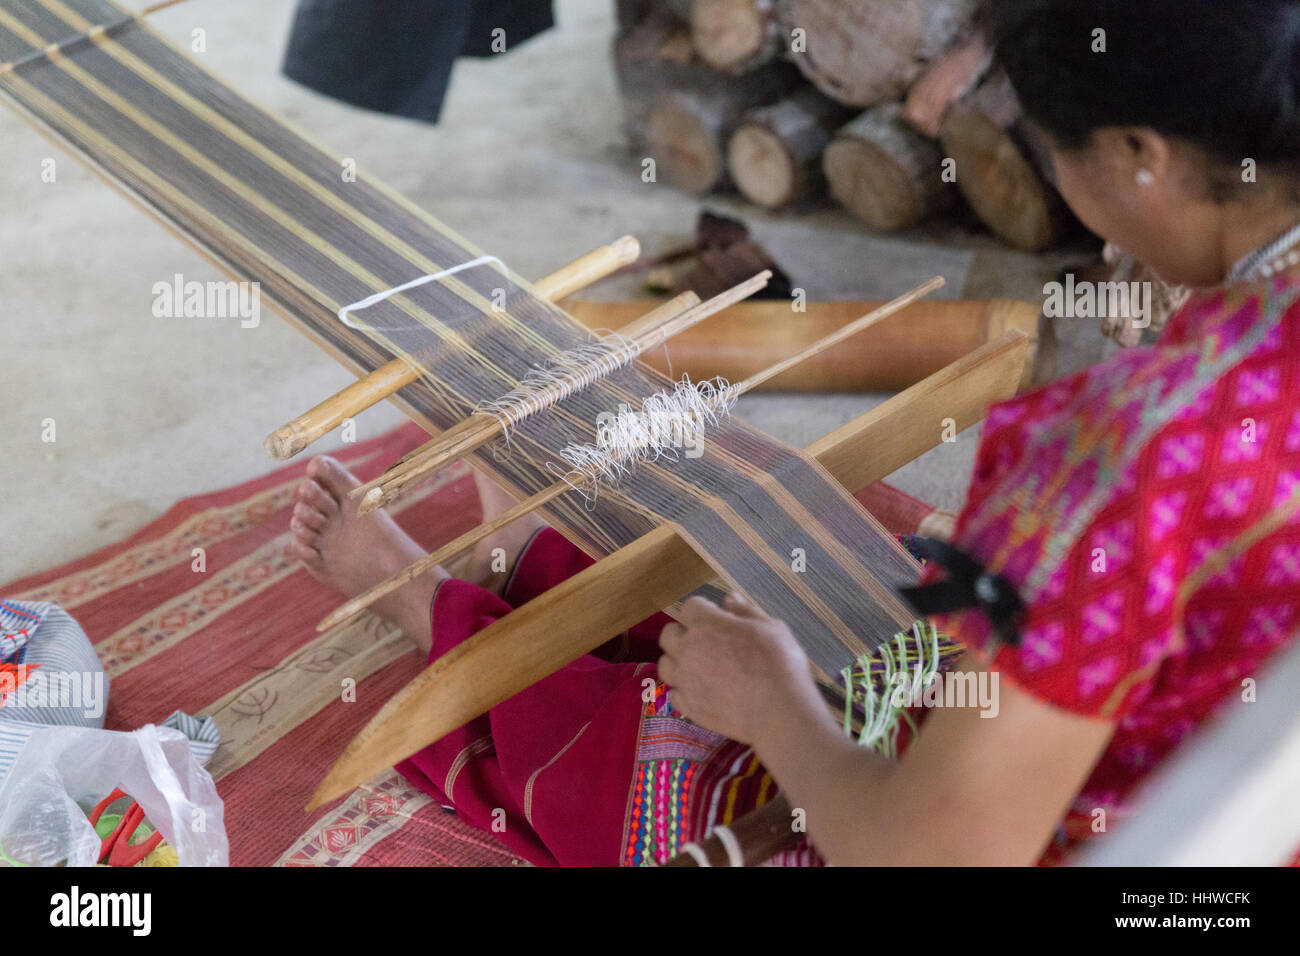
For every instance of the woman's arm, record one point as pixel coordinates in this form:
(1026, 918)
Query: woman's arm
(969, 790)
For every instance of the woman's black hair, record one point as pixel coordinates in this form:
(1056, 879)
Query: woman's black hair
(1223, 75)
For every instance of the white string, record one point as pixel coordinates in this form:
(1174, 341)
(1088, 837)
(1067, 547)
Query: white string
(378, 297)
(663, 341)
(666, 423)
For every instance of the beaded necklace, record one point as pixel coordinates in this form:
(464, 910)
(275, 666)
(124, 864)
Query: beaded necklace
(1267, 261)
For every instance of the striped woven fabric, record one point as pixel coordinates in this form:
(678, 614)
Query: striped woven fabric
(271, 207)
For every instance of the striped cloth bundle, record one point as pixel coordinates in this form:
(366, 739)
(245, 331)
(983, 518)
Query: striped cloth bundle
(62, 680)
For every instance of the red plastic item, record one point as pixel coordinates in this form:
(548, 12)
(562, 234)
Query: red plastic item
(116, 848)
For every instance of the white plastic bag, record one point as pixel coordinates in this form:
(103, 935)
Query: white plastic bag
(62, 772)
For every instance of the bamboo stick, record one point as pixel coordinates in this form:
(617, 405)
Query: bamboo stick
(293, 437)
(651, 573)
(655, 328)
(362, 601)
(156, 7)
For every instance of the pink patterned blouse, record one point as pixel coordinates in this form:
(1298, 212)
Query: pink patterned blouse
(1148, 511)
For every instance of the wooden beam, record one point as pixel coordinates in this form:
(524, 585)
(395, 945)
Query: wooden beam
(524, 647)
(904, 427)
(757, 333)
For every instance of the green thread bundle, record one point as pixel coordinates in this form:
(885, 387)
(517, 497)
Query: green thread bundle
(911, 659)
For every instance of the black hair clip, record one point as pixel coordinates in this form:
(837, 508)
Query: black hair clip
(968, 585)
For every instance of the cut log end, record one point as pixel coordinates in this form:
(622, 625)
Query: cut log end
(680, 111)
(762, 167)
(733, 35)
(884, 172)
(774, 157)
(871, 185)
(1000, 183)
(683, 139)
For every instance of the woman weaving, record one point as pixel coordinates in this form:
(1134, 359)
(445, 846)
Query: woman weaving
(1145, 511)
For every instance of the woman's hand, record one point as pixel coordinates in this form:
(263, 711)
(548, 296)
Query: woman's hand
(733, 669)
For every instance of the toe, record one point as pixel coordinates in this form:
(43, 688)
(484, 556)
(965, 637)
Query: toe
(304, 552)
(315, 496)
(308, 536)
(332, 476)
(313, 518)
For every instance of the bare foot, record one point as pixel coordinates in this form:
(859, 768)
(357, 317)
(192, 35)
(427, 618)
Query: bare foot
(352, 553)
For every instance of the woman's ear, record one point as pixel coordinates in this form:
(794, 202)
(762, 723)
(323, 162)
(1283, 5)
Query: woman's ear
(1133, 156)
(1148, 155)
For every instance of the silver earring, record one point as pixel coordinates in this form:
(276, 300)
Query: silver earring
(1145, 177)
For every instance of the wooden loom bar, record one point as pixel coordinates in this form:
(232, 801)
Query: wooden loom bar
(888, 358)
(649, 331)
(650, 574)
(412, 571)
(293, 437)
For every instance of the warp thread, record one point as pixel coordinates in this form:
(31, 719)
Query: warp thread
(62, 46)
(545, 385)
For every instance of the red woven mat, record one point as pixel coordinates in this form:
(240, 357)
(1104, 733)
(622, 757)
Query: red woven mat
(205, 610)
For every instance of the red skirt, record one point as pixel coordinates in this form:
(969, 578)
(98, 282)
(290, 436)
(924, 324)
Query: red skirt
(591, 766)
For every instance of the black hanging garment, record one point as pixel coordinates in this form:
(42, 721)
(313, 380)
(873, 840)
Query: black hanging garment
(396, 56)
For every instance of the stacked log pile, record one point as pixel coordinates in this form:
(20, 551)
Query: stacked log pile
(888, 107)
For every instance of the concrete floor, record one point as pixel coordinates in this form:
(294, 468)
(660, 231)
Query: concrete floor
(528, 162)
